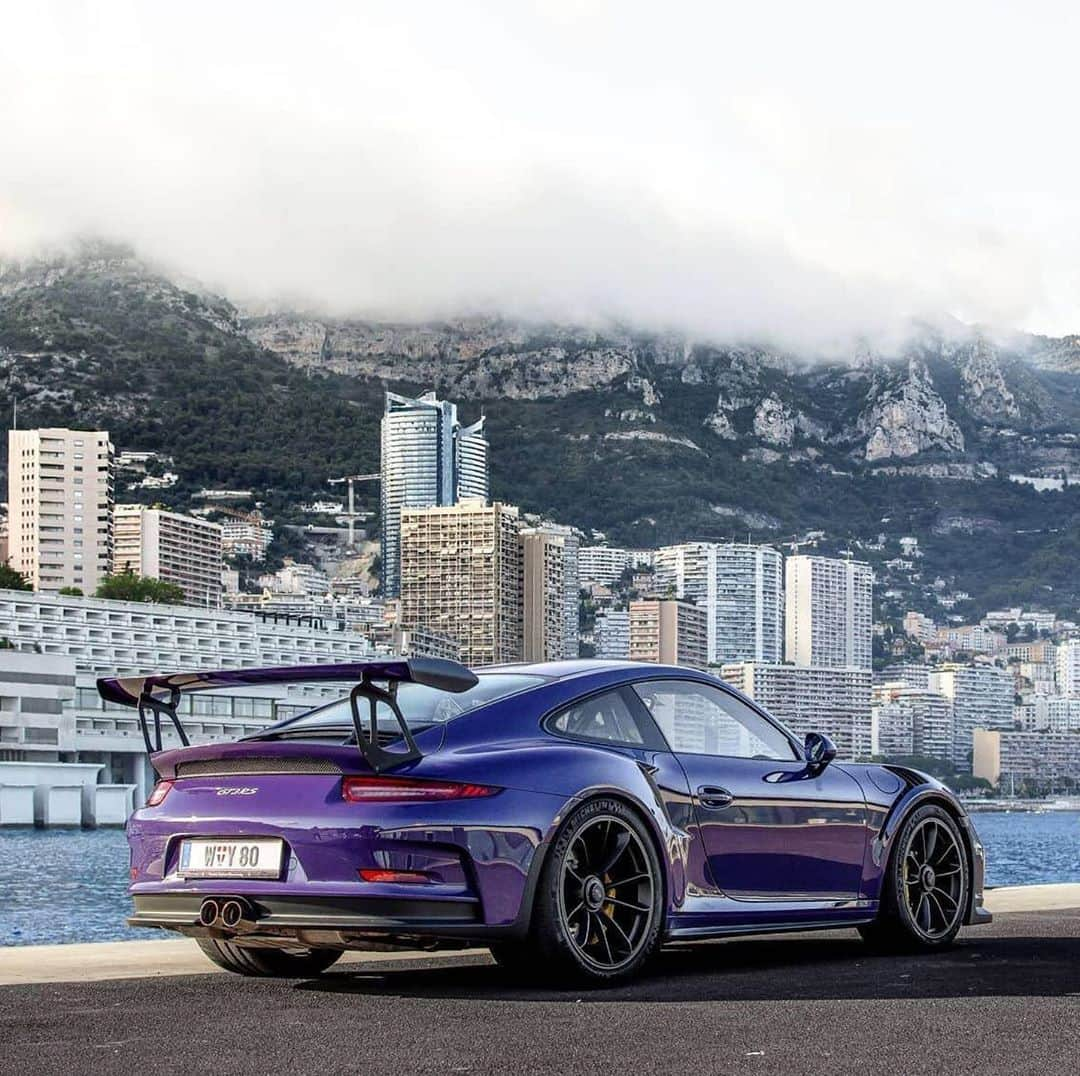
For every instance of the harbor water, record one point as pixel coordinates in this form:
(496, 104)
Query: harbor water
(70, 885)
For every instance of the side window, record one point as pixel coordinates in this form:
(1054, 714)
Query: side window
(600, 717)
(703, 720)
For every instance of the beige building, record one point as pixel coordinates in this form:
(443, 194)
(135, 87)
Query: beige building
(462, 577)
(170, 547)
(669, 632)
(1006, 757)
(806, 699)
(828, 612)
(550, 597)
(60, 503)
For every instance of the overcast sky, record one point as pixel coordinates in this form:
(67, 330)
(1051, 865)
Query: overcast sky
(804, 171)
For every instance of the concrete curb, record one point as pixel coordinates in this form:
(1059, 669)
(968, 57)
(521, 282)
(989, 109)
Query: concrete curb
(96, 961)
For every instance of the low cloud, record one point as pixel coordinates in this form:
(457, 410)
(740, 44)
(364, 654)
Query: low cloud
(765, 174)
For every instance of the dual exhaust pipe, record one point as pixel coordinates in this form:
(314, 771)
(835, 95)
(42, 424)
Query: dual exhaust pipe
(228, 913)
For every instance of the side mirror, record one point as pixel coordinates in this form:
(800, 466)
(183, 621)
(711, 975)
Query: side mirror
(820, 751)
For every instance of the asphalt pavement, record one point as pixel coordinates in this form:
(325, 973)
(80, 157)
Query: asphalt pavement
(1005, 999)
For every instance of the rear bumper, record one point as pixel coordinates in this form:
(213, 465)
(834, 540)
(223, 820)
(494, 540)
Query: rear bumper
(380, 914)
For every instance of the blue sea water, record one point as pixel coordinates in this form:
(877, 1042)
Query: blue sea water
(70, 885)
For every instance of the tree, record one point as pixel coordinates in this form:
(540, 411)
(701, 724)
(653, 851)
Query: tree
(128, 587)
(72, 592)
(11, 579)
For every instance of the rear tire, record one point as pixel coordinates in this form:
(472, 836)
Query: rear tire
(268, 963)
(599, 902)
(925, 888)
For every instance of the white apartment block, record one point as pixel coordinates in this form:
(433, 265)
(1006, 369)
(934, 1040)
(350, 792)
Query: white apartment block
(249, 537)
(981, 698)
(173, 548)
(1053, 713)
(908, 673)
(828, 612)
(1068, 668)
(60, 502)
(611, 635)
(294, 578)
(1004, 758)
(927, 715)
(129, 638)
(740, 587)
(602, 564)
(834, 701)
(461, 577)
(918, 626)
(972, 637)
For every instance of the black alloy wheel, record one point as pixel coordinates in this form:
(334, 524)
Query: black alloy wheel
(599, 904)
(926, 886)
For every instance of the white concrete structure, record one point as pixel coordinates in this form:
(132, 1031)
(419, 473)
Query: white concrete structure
(926, 715)
(133, 637)
(740, 587)
(249, 537)
(611, 636)
(1007, 757)
(107, 805)
(176, 549)
(428, 460)
(981, 697)
(296, 579)
(1068, 668)
(60, 501)
(602, 564)
(828, 612)
(831, 700)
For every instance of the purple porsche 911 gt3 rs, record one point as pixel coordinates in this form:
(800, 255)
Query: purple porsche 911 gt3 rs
(571, 816)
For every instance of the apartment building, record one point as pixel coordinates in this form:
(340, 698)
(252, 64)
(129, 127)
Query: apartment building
(1067, 667)
(173, 548)
(925, 716)
(831, 700)
(247, 536)
(60, 504)
(428, 459)
(828, 612)
(669, 632)
(1054, 713)
(611, 635)
(462, 577)
(741, 588)
(1006, 757)
(550, 599)
(981, 697)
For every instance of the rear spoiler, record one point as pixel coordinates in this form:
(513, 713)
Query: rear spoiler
(160, 694)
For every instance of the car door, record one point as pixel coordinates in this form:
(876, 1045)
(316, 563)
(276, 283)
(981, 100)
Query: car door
(772, 829)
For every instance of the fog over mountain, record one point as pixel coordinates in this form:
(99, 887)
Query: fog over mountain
(780, 175)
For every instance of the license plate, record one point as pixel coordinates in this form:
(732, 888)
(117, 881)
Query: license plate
(228, 858)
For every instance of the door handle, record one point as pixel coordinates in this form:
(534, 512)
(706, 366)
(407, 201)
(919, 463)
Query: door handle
(714, 797)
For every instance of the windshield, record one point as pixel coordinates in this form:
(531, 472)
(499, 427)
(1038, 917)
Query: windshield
(421, 706)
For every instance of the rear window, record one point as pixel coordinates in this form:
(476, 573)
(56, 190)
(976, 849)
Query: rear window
(421, 706)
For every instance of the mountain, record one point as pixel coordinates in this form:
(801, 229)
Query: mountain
(647, 437)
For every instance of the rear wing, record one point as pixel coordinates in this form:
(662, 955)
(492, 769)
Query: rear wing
(160, 694)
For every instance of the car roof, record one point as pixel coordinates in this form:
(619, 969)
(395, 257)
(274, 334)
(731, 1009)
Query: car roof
(562, 670)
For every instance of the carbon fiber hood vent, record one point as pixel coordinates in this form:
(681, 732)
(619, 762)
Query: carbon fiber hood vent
(226, 767)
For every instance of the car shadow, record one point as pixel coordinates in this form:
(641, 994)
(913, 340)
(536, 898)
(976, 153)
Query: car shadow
(777, 968)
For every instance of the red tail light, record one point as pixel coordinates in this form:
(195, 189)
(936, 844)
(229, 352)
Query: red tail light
(161, 790)
(380, 875)
(408, 790)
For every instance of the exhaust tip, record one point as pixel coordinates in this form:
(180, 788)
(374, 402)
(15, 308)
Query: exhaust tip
(232, 911)
(209, 912)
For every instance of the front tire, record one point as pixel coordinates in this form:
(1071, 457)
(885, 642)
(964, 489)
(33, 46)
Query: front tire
(268, 963)
(599, 901)
(926, 886)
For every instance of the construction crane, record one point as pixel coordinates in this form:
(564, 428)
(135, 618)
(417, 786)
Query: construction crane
(352, 515)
